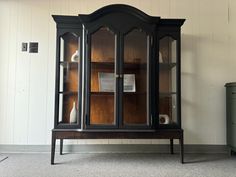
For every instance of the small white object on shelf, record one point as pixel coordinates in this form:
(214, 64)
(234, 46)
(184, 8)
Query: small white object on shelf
(164, 119)
(160, 58)
(73, 114)
(75, 56)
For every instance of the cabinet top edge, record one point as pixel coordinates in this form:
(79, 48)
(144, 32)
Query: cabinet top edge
(230, 84)
(118, 8)
(65, 19)
(172, 21)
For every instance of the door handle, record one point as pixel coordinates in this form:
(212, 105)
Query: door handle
(119, 76)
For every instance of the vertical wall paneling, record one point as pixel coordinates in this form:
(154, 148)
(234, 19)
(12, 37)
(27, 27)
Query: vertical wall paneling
(38, 73)
(22, 94)
(164, 9)
(11, 78)
(75, 7)
(4, 66)
(51, 60)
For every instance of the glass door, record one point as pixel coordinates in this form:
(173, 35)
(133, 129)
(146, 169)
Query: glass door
(168, 82)
(69, 76)
(135, 79)
(102, 92)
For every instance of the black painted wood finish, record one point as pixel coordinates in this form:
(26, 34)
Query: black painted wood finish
(120, 19)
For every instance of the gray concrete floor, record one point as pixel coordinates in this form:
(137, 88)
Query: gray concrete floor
(117, 165)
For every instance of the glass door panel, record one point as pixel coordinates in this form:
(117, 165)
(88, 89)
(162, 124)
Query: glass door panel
(167, 50)
(167, 81)
(135, 78)
(69, 76)
(167, 109)
(69, 45)
(68, 103)
(102, 84)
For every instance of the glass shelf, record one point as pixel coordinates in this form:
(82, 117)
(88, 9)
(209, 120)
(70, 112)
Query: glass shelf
(166, 94)
(69, 93)
(110, 65)
(67, 123)
(70, 64)
(169, 125)
(166, 66)
(112, 93)
(102, 93)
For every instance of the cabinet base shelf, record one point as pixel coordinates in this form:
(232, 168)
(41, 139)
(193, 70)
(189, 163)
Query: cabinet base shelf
(88, 134)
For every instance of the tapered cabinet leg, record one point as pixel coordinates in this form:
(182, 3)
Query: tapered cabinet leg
(181, 143)
(171, 146)
(53, 146)
(61, 146)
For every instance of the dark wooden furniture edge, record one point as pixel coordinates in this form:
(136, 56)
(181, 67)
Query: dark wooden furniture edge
(118, 8)
(121, 134)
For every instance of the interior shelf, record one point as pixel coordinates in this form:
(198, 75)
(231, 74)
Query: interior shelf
(166, 94)
(70, 64)
(69, 93)
(110, 65)
(112, 93)
(165, 66)
(102, 93)
(66, 123)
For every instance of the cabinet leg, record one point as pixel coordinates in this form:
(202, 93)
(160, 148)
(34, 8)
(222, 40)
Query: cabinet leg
(61, 146)
(53, 146)
(171, 146)
(181, 143)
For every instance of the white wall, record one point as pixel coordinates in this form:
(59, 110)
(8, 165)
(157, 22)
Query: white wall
(27, 80)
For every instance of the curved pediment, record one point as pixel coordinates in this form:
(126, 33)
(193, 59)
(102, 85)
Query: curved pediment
(119, 8)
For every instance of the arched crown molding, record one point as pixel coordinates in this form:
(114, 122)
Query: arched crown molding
(118, 8)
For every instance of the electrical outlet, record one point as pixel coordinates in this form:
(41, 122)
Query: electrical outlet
(24, 47)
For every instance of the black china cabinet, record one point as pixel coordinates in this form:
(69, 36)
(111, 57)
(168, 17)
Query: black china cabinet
(117, 76)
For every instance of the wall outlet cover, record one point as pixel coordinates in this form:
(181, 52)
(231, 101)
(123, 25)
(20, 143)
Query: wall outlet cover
(24, 46)
(33, 47)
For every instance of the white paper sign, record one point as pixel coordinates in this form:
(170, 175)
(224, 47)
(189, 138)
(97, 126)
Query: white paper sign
(107, 82)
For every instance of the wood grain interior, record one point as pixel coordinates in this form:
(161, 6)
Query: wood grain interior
(103, 46)
(166, 77)
(135, 47)
(70, 76)
(102, 110)
(135, 51)
(70, 79)
(164, 81)
(167, 48)
(165, 107)
(135, 109)
(71, 44)
(102, 50)
(95, 78)
(68, 105)
(140, 77)
(135, 104)
(101, 106)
